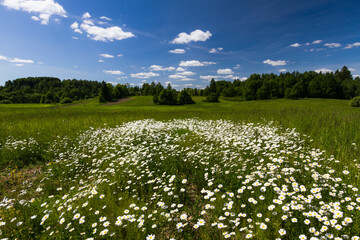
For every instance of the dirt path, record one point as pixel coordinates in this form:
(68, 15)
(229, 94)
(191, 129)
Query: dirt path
(118, 101)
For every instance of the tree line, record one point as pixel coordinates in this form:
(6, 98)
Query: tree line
(47, 90)
(295, 85)
(339, 84)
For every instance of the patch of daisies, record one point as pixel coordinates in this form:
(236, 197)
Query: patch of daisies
(187, 179)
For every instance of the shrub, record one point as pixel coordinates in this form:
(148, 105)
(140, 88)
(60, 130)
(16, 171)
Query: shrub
(355, 102)
(185, 98)
(66, 100)
(168, 97)
(213, 97)
(5, 101)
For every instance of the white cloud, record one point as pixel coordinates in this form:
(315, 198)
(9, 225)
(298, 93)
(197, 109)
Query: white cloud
(99, 33)
(3, 58)
(86, 15)
(194, 63)
(352, 69)
(161, 68)
(105, 18)
(237, 66)
(105, 55)
(186, 79)
(44, 8)
(356, 76)
(101, 61)
(194, 36)
(18, 60)
(144, 75)
(225, 71)
(208, 77)
(324, 70)
(19, 64)
(113, 72)
(120, 55)
(229, 77)
(187, 73)
(188, 85)
(332, 45)
(275, 63)
(317, 41)
(180, 69)
(243, 79)
(357, 44)
(215, 50)
(176, 76)
(177, 51)
(282, 70)
(76, 38)
(120, 78)
(295, 45)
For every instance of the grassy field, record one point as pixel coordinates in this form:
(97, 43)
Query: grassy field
(49, 150)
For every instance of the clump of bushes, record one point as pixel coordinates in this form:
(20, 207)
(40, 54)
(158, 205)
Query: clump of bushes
(212, 97)
(355, 102)
(66, 100)
(171, 97)
(5, 101)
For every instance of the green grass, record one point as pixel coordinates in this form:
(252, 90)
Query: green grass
(333, 124)
(43, 133)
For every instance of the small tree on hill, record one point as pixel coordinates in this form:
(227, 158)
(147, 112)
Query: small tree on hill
(213, 97)
(355, 102)
(185, 98)
(168, 97)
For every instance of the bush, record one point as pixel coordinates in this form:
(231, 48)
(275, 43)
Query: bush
(66, 100)
(213, 97)
(168, 97)
(355, 102)
(185, 98)
(5, 101)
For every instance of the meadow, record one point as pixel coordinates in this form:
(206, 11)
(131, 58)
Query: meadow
(275, 169)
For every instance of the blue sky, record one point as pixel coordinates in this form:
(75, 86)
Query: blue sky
(185, 42)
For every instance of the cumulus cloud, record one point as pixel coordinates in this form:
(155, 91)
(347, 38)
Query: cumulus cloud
(237, 66)
(105, 18)
(194, 63)
(282, 70)
(332, 45)
(144, 75)
(101, 61)
(215, 50)
(352, 69)
(161, 68)
(243, 79)
(356, 76)
(44, 9)
(275, 63)
(114, 72)
(295, 45)
(317, 41)
(105, 55)
(324, 70)
(194, 36)
(177, 51)
(209, 77)
(225, 71)
(180, 69)
(357, 44)
(17, 61)
(99, 33)
(176, 76)
(120, 55)
(86, 15)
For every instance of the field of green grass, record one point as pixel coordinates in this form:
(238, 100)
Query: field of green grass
(49, 150)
